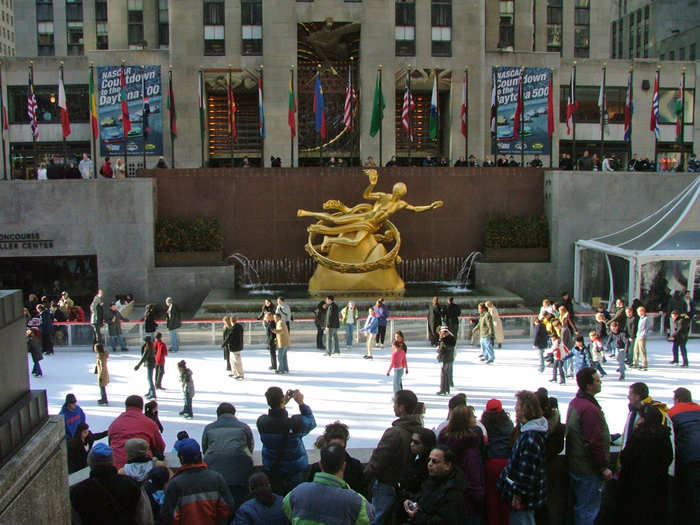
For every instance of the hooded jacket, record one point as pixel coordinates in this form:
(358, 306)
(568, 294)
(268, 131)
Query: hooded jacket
(273, 426)
(227, 444)
(525, 473)
(686, 426)
(441, 500)
(392, 450)
(587, 436)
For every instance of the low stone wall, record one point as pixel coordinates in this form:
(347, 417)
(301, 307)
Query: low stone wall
(530, 280)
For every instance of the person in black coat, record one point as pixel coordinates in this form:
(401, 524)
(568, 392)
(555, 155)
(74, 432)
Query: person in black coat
(451, 315)
(434, 321)
(441, 499)
(80, 445)
(34, 349)
(267, 307)
(414, 473)
(149, 321)
(446, 355)
(319, 321)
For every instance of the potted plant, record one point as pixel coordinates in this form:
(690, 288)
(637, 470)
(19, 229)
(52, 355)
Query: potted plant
(188, 242)
(510, 238)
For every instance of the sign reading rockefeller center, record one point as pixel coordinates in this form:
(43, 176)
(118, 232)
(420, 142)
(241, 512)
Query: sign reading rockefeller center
(24, 241)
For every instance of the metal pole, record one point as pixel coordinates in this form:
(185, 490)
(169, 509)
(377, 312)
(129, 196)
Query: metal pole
(93, 141)
(126, 150)
(320, 134)
(466, 109)
(232, 115)
(656, 140)
(381, 124)
(2, 131)
(602, 119)
(202, 115)
(629, 142)
(172, 112)
(551, 137)
(573, 121)
(521, 124)
(352, 116)
(410, 113)
(143, 115)
(682, 136)
(31, 81)
(65, 153)
(291, 137)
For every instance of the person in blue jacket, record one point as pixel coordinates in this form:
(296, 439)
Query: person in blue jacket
(283, 452)
(370, 329)
(264, 508)
(72, 414)
(382, 313)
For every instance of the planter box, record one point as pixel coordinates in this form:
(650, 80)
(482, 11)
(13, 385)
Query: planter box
(517, 254)
(188, 258)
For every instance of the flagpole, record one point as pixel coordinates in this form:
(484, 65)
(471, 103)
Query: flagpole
(381, 124)
(682, 135)
(261, 116)
(466, 115)
(201, 113)
(629, 142)
(656, 140)
(494, 133)
(172, 139)
(602, 117)
(320, 146)
(143, 114)
(126, 150)
(410, 114)
(521, 124)
(352, 127)
(93, 145)
(573, 121)
(65, 153)
(291, 138)
(551, 136)
(2, 109)
(31, 81)
(232, 115)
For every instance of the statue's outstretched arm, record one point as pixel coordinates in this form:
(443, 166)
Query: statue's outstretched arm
(419, 209)
(373, 178)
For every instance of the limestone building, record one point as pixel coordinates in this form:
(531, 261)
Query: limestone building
(221, 48)
(7, 28)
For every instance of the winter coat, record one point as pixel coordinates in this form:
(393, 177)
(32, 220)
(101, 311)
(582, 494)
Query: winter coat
(499, 445)
(174, 319)
(451, 314)
(320, 314)
(601, 330)
(114, 325)
(270, 335)
(587, 436)
(149, 322)
(680, 328)
(227, 445)
(106, 498)
(467, 449)
(582, 357)
(486, 328)
(441, 500)
(282, 333)
(434, 316)
(273, 426)
(631, 326)
(97, 314)
(621, 318)
(101, 365)
(497, 325)
(643, 327)
(265, 309)
(525, 473)
(133, 424)
(371, 325)
(161, 352)
(187, 382)
(617, 340)
(446, 349)
(46, 324)
(148, 356)
(34, 348)
(233, 338)
(353, 475)
(541, 338)
(327, 501)
(349, 315)
(331, 319)
(72, 418)
(196, 495)
(382, 313)
(392, 450)
(413, 475)
(686, 428)
(252, 512)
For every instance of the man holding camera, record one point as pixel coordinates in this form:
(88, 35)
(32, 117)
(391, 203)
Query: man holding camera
(283, 452)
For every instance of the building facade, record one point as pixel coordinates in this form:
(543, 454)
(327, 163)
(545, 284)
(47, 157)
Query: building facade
(221, 48)
(7, 28)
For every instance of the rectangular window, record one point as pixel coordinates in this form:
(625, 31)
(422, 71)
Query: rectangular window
(582, 25)
(135, 24)
(630, 47)
(681, 53)
(691, 52)
(214, 27)
(251, 27)
(44, 10)
(588, 110)
(75, 38)
(48, 111)
(102, 39)
(639, 41)
(671, 55)
(163, 24)
(506, 27)
(101, 10)
(614, 39)
(74, 10)
(441, 21)
(45, 39)
(405, 28)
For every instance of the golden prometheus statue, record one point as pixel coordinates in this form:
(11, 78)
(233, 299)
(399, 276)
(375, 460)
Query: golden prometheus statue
(352, 256)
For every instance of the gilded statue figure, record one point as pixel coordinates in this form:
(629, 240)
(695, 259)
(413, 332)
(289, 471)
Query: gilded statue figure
(352, 255)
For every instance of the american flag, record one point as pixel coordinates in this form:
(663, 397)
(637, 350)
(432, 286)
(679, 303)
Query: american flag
(654, 119)
(628, 109)
(31, 108)
(408, 106)
(350, 99)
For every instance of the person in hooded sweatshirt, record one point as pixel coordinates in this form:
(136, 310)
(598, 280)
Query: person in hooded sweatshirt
(522, 482)
(138, 463)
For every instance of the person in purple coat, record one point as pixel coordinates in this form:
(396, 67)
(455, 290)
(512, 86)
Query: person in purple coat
(382, 313)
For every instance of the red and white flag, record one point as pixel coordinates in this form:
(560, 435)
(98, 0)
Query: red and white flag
(571, 103)
(550, 108)
(517, 117)
(494, 108)
(350, 99)
(408, 107)
(464, 105)
(63, 104)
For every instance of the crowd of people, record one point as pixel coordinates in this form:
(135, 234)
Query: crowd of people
(494, 469)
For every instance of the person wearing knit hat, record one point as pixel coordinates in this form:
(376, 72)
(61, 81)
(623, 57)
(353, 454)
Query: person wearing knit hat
(100, 454)
(494, 405)
(139, 462)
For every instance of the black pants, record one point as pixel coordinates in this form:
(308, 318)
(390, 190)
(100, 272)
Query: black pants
(684, 352)
(381, 334)
(319, 338)
(446, 377)
(47, 343)
(273, 355)
(160, 371)
(97, 333)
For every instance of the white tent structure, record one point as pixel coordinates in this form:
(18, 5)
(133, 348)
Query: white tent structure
(660, 251)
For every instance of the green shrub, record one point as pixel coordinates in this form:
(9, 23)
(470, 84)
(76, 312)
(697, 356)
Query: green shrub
(511, 231)
(176, 234)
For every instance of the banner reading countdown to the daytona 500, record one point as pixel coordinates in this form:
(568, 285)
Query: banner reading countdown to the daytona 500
(535, 91)
(146, 118)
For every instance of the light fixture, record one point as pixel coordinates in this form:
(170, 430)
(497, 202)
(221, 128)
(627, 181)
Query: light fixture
(52, 98)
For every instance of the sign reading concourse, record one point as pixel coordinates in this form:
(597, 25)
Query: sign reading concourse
(24, 241)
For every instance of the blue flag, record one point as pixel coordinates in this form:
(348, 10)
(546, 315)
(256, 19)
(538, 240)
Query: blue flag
(319, 108)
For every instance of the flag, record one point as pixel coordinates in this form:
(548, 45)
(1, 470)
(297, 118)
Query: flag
(63, 104)
(232, 109)
(408, 106)
(126, 123)
(571, 103)
(550, 108)
(5, 122)
(201, 105)
(679, 112)
(93, 108)
(171, 108)
(494, 110)
(378, 106)
(603, 102)
(291, 117)
(261, 112)
(319, 108)
(464, 106)
(654, 120)
(349, 102)
(146, 109)
(517, 117)
(434, 123)
(31, 108)
(628, 109)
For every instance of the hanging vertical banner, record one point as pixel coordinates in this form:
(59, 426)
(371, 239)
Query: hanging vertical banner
(145, 133)
(534, 117)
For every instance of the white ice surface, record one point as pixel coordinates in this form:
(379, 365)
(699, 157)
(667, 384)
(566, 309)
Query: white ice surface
(346, 388)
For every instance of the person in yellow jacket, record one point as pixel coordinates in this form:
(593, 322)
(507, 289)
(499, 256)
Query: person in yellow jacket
(348, 318)
(283, 342)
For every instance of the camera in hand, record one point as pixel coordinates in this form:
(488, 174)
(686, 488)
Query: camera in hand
(412, 506)
(291, 393)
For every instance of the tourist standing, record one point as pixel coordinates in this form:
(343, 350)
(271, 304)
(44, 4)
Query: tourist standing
(283, 342)
(499, 429)
(540, 341)
(34, 349)
(149, 321)
(233, 344)
(498, 336)
(271, 338)
(106, 169)
(370, 329)
(382, 313)
(187, 388)
(161, 353)
(85, 167)
(120, 170)
(680, 326)
(284, 311)
(349, 317)
(685, 416)
(174, 322)
(398, 360)
(102, 372)
(434, 321)
(319, 321)
(114, 329)
(47, 329)
(451, 316)
(267, 307)
(446, 355)
(148, 358)
(486, 332)
(640, 343)
(331, 325)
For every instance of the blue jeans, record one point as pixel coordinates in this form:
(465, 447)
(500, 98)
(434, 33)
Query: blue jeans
(585, 496)
(383, 497)
(621, 358)
(174, 342)
(151, 386)
(521, 517)
(541, 352)
(117, 339)
(187, 409)
(398, 374)
(349, 331)
(332, 345)
(36, 370)
(282, 359)
(103, 394)
(487, 349)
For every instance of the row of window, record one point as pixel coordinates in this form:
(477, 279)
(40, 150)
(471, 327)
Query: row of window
(637, 26)
(79, 111)
(251, 27)
(7, 17)
(7, 50)
(681, 53)
(441, 28)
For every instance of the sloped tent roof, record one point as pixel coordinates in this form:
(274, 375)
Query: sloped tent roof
(672, 231)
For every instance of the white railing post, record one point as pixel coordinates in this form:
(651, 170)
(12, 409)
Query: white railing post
(69, 340)
(213, 332)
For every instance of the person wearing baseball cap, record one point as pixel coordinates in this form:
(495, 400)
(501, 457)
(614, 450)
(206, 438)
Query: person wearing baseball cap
(195, 494)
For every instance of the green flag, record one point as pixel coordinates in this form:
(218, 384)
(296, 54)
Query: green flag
(377, 108)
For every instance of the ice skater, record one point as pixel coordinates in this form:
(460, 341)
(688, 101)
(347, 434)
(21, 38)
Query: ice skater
(398, 360)
(370, 329)
(101, 371)
(148, 357)
(187, 388)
